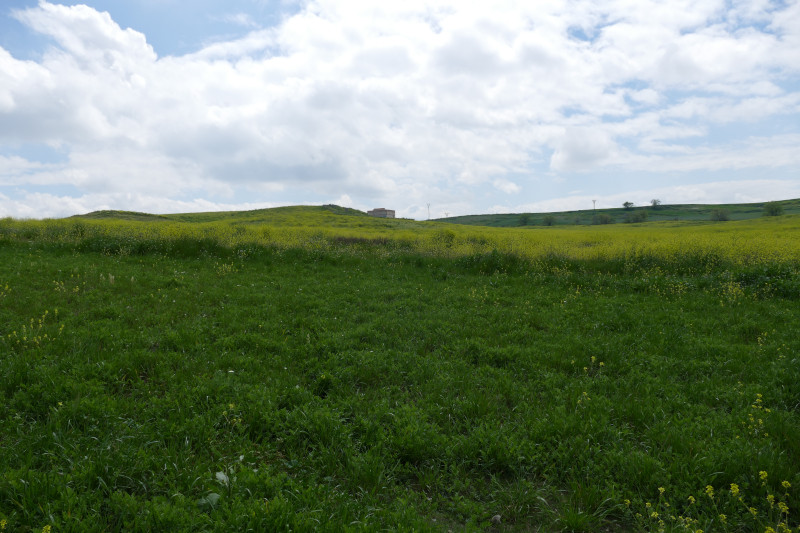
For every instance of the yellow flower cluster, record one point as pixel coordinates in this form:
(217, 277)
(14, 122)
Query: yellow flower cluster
(729, 508)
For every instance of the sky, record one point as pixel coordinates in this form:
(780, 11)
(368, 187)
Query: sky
(431, 108)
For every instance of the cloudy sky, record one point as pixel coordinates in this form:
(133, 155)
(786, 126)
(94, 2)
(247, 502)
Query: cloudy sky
(472, 107)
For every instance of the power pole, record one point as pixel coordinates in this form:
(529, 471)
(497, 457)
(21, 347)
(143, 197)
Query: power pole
(429, 211)
(446, 214)
(594, 205)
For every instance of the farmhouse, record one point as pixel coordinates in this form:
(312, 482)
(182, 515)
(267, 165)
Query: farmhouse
(381, 213)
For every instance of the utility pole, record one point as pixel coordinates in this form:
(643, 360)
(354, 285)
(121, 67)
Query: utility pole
(594, 205)
(446, 214)
(429, 211)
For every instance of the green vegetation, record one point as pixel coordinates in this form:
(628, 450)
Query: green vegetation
(640, 215)
(773, 209)
(720, 215)
(602, 218)
(315, 369)
(656, 212)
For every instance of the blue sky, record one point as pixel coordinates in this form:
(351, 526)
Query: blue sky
(172, 27)
(177, 106)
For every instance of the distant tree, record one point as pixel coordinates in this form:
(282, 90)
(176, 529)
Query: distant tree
(549, 220)
(524, 219)
(602, 218)
(655, 202)
(720, 215)
(773, 209)
(640, 215)
(628, 205)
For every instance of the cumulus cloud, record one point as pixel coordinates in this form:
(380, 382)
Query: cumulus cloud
(398, 104)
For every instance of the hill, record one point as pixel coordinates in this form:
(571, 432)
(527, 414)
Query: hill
(120, 215)
(691, 212)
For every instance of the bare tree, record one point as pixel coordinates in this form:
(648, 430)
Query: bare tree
(655, 202)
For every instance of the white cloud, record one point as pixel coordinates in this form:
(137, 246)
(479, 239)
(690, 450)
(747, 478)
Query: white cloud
(241, 19)
(582, 149)
(508, 187)
(42, 205)
(395, 104)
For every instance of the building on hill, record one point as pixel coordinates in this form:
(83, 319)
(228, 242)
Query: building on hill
(381, 213)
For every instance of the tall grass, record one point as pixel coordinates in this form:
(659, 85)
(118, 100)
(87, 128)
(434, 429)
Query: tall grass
(687, 246)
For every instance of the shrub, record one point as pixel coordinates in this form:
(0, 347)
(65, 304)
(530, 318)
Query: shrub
(720, 215)
(636, 216)
(773, 209)
(524, 219)
(602, 218)
(549, 220)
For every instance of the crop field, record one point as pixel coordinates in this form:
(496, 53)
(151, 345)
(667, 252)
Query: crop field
(315, 369)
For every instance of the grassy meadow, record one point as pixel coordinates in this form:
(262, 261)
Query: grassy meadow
(315, 369)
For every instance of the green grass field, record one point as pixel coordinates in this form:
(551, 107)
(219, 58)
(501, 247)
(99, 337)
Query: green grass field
(316, 369)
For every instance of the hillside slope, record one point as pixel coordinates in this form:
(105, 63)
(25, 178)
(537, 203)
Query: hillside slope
(693, 212)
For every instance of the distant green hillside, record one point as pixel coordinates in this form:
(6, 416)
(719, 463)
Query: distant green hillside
(690, 212)
(273, 215)
(277, 214)
(296, 216)
(121, 215)
(336, 216)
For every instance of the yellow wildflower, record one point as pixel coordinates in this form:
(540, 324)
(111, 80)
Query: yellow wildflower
(762, 475)
(654, 515)
(691, 500)
(786, 484)
(46, 529)
(661, 490)
(627, 502)
(753, 511)
(723, 518)
(783, 507)
(734, 489)
(710, 491)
